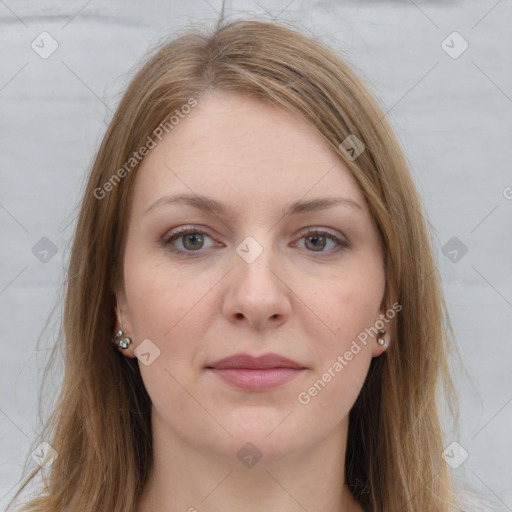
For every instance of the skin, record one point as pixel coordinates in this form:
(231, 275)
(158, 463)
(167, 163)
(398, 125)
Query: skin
(211, 303)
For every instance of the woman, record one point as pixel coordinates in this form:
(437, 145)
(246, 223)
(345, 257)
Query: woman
(253, 319)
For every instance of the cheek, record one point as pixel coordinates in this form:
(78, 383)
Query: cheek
(342, 360)
(172, 310)
(155, 306)
(358, 310)
(158, 297)
(350, 308)
(351, 304)
(167, 310)
(343, 354)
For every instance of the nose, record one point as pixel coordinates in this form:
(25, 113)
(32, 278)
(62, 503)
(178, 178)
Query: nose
(257, 292)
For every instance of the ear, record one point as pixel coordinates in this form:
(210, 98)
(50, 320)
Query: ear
(123, 320)
(384, 320)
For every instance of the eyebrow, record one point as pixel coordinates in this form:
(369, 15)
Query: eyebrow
(207, 203)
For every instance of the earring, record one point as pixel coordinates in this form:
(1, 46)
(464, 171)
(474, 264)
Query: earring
(380, 339)
(123, 342)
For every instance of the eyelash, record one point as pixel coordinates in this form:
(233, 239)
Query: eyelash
(187, 230)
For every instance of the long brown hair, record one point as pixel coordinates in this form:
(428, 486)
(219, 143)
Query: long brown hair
(100, 426)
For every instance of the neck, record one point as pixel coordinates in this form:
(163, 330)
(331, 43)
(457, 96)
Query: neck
(200, 479)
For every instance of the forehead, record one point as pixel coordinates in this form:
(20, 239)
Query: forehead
(244, 151)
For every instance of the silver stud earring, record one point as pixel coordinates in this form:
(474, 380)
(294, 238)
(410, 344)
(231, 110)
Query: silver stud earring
(380, 339)
(120, 341)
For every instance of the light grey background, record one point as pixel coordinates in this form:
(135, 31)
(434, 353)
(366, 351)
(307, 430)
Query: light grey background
(452, 115)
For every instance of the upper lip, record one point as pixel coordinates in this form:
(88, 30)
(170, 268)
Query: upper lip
(255, 363)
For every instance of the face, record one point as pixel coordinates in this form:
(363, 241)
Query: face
(204, 283)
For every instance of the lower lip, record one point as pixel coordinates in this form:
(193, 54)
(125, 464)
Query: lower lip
(256, 380)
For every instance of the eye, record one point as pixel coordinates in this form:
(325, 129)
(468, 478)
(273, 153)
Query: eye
(317, 240)
(191, 238)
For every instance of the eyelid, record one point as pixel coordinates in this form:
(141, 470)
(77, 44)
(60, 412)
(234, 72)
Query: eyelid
(184, 229)
(324, 231)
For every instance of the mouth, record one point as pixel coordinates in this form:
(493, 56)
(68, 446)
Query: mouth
(256, 373)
